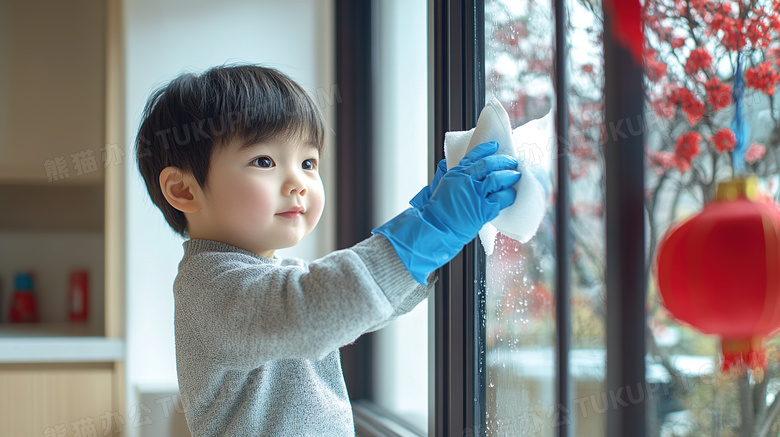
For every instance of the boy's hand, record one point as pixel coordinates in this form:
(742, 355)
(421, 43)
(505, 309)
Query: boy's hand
(473, 193)
(467, 196)
(421, 199)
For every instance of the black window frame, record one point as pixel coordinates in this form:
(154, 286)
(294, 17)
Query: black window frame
(458, 97)
(354, 157)
(626, 275)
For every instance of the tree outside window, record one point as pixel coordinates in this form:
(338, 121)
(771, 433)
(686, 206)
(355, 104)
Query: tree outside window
(691, 53)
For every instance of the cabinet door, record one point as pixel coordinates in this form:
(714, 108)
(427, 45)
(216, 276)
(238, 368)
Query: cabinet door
(42, 400)
(52, 91)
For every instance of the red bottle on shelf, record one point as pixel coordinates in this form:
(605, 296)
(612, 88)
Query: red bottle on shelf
(78, 296)
(23, 306)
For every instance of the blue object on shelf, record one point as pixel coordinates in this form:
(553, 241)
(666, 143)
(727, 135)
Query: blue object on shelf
(24, 308)
(23, 282)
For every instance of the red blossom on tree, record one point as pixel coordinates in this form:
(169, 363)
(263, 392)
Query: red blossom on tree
(512, 33)
(755, 152)
(677, 42)
(654, 69)
(663, 107)
(762, 78)
(661, 160)
(694, 40)
(686, 149)
(540, 65)
(577, 173)
(749, 25)
(722, 22)
(698, 60)
(690, 46)
(692, 107)
(517, 108)
(773, 54)
(590, 209)
(682, 165)
(724, 140)
(718, 94)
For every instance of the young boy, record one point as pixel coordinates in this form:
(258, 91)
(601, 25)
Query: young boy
(231, 159)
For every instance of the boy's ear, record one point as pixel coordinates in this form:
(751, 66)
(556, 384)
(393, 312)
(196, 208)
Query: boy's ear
(179, 189)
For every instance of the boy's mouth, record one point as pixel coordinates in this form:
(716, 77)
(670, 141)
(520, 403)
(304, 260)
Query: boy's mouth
(292, 213)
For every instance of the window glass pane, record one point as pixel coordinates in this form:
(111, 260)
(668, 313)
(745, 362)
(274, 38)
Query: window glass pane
(520, 277)
(587, 222)
(691, 57)
(400, 169)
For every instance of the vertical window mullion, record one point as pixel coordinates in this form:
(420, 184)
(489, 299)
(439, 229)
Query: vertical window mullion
(563, 242)
(354, 203)
(474, 299)
(458, 98)
(625, 272)
(439, 112)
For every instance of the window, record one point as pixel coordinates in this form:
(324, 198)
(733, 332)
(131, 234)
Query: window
(526, 342)
(565, 334)
(629, 367)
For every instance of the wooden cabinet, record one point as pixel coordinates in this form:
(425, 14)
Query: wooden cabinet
(57, 399)
(61, 206)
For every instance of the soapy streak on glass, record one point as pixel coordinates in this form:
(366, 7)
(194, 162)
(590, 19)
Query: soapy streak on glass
(519, 277)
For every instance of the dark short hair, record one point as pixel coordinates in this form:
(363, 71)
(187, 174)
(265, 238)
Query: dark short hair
(192, 116)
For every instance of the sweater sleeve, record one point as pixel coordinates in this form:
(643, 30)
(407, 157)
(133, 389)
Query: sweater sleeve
(411, 301)
(242, 312)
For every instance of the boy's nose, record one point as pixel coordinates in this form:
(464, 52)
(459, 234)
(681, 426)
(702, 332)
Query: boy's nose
(294, 184)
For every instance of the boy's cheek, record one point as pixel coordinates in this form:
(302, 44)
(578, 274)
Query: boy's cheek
(316, 208)
(247, 206)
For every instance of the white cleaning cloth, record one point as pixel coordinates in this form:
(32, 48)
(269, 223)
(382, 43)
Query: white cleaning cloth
(521, 220)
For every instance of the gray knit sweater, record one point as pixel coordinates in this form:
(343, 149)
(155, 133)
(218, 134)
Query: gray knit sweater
(257, 339)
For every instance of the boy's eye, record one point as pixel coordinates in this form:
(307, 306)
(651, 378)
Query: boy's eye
(263, 162)
(309, 164)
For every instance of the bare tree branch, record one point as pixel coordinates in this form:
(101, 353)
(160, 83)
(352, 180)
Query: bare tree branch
(767, 419)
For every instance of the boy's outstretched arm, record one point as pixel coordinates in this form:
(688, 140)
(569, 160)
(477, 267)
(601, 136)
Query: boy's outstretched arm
(467, 196)
(234, 308)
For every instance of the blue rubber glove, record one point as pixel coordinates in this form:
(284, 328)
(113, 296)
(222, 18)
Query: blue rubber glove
(467, 196)
(421, 199)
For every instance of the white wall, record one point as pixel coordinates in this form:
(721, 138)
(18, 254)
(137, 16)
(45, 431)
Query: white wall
(164, 38)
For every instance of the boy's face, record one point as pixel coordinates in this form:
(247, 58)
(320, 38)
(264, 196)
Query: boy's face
(262, 197)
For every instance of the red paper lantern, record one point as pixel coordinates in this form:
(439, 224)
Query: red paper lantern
(719, 271)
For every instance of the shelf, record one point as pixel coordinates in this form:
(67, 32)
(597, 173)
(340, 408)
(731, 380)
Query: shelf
(32, 342)
(40, 330)
(70, 208)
